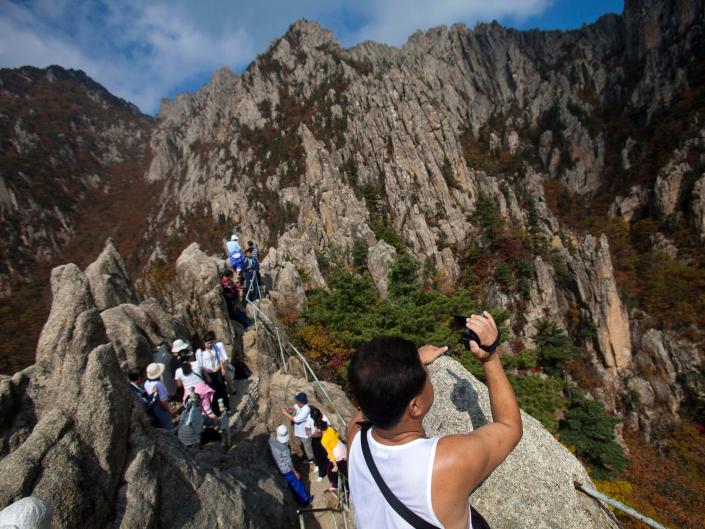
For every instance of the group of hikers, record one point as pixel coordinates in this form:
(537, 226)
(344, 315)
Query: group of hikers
(398, 477)
(323, 452)
(246, 267)
(195, 380)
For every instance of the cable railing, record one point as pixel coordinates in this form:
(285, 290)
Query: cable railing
(275, 333)
(288, 348)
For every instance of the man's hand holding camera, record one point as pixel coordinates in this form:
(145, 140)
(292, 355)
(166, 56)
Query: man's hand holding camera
(485, 328)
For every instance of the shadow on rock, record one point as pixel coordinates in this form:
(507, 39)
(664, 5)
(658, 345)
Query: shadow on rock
(464, 398)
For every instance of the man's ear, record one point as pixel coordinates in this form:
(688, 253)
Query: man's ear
(415, 407)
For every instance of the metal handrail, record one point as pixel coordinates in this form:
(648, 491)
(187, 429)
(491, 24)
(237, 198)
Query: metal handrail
(618, 505)
(300, 356)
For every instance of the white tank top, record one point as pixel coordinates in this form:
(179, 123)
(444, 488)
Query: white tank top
(407, 469)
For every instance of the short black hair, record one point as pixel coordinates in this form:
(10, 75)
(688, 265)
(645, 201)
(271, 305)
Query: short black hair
(384, 375)
(134, 375)
(227, 273)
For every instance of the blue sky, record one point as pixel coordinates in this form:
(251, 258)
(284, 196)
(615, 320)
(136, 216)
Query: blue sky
(143, 50)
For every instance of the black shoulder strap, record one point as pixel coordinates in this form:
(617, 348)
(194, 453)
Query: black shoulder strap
(413, 519)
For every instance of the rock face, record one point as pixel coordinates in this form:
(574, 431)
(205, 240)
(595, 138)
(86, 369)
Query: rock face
(76, 437)
(199, 303)
(47, 175)
(108, 279)
(592, 266)
(379, 259)
(535, 482)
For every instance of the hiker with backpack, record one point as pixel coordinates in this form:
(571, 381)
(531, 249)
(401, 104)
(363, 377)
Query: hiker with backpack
(149, 402)
(154, 387)
(234, 253)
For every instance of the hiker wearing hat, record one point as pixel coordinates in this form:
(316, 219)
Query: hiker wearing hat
(213, 360)
(153, 386)
(300, 418)
(234, 253)
(279, 445)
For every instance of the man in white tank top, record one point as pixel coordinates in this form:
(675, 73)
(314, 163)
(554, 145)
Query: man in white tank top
(431, 477)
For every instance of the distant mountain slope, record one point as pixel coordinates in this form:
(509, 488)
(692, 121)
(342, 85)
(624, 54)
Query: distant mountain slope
(72, 157)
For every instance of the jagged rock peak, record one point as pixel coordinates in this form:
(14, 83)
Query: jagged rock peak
(108, 279)
(310, 33)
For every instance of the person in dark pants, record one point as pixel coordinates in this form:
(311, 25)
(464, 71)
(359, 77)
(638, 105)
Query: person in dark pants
(279, 446)
(319, 453)
(213, 361)
(250, 269)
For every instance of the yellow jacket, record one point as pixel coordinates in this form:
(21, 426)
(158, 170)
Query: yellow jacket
(329, 440)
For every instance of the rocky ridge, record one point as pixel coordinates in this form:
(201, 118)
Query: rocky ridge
(91, 456)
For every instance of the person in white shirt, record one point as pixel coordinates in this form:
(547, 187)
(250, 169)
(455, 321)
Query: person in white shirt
(234, 253)
(301, 419)
(213, 361)
(189, 376)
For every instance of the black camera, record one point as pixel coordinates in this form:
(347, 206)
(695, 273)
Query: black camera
(468, 335)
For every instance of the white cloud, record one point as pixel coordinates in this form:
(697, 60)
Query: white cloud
(392, 21)
(144, 50)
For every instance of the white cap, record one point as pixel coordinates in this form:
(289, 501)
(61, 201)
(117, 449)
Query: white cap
(233, 238)
(282, 434)
(179, 345)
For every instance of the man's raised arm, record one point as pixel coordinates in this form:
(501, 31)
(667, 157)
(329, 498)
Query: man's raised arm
(482, 450)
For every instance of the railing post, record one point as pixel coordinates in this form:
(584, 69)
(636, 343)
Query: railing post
(302, 523)
(281, 351)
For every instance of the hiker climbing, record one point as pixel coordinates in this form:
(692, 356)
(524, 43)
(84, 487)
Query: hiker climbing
(213, 361)
(279, 446)
(301, 414)
(189, 376)
(251, 273)
(335, 450)
(234, 253)
(315, 421)
(232, 296)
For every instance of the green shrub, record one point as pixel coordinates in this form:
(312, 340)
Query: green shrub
(554, 347)
(590, 430)
(540, 397)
